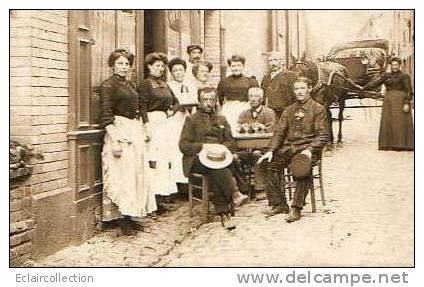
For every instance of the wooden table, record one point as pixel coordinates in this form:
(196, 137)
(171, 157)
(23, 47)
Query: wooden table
(249, 141)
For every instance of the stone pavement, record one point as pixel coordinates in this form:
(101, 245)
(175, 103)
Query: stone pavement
(368, 221)
(111, 248)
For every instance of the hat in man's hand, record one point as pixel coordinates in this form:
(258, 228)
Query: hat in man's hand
(216, 156)
(301, 165)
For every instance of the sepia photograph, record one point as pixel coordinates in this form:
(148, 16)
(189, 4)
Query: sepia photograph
(211, 138)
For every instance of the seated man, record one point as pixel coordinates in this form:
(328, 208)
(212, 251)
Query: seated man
(259, 117)
(256, 119)
(301, 130)
(207, 130)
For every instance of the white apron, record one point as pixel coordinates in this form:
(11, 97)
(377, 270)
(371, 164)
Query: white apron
(126, 178)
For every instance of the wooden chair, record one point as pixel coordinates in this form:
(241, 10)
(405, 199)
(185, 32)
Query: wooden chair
(249, 174)
(288, 183)
(199, 182)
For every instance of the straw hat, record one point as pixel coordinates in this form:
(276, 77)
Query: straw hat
(216, 156)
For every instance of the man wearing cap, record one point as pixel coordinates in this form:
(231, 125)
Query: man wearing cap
(195, 53)
(277, 84)
(300, 133)
(206, 142)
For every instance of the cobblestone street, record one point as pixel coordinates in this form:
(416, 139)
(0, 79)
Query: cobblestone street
(368, 220)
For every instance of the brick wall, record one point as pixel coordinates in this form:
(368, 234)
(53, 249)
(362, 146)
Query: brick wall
(202, 28)
(39, 111)
(212, 42)
(21, 224)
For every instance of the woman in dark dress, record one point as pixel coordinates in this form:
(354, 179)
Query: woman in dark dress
(125, 192)
(161, 105)
(233, 90)
(396, 127)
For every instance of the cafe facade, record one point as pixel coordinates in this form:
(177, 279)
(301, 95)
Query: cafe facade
(58, 59)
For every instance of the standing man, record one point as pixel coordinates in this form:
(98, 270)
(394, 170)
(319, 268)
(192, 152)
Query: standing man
(277, 85)
(301, 133)
(195, 55)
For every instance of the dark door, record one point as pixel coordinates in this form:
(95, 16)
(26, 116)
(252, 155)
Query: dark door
(93, 35)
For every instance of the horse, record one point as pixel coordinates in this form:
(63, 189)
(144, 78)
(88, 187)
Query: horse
(331, 85)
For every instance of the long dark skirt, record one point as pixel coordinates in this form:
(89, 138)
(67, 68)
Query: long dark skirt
(396, 127)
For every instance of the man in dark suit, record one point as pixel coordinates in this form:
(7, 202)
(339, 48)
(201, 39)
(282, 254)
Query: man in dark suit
(302, 130)
(277, 85)
(206, 129)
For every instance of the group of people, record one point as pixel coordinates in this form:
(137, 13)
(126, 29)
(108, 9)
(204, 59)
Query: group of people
(167, 127)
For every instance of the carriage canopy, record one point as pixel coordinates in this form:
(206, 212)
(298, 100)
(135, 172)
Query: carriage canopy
(364, 59)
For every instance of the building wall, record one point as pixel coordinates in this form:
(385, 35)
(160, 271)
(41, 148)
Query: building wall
(330, 27)
(39, 116)
(246, 33)
(254, 33)
(21, 223)
(291, 35)
(212, 42)
(47, 213)
(397, 26)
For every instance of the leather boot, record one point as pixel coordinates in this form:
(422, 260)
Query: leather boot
(227, 222)
(240, 198)
(277, 209)
(294, 214)
(127, 228)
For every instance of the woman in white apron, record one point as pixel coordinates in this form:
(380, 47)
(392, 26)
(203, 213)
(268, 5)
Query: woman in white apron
(162, 105)
(186, 93)
(125, 179)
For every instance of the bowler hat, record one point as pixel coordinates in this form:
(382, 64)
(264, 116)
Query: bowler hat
(193, 47)
(301, 165)
(216, 156)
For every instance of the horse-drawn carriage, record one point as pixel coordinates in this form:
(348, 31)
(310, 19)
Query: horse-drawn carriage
(341, 74)
(364, 59)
